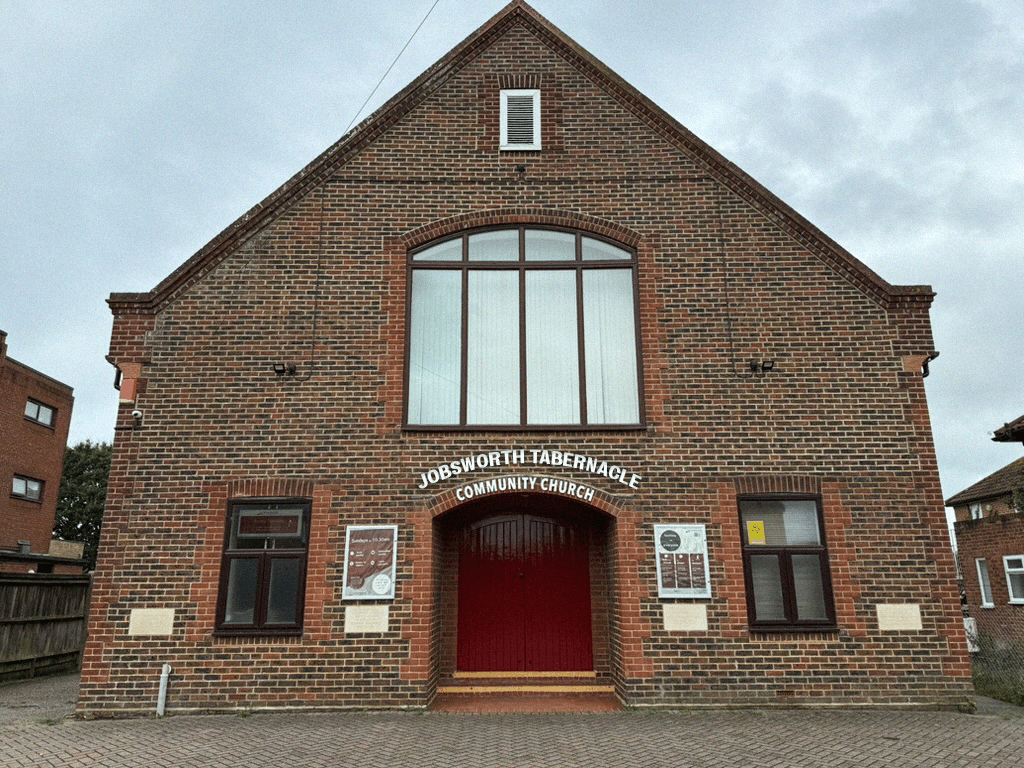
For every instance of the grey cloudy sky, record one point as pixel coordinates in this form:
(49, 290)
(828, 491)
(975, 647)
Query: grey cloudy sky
(131, 133)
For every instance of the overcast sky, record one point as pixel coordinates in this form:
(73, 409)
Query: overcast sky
(132, 133)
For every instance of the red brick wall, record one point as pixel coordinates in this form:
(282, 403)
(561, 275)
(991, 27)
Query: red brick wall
(30, 449)
(724, 278)
(992, 538)
(990, 508)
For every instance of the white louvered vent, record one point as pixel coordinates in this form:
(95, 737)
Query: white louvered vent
(520, 119)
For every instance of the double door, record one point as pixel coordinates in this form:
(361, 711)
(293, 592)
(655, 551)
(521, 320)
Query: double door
(524, 594)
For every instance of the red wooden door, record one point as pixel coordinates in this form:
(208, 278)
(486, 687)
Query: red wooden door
(524, 596)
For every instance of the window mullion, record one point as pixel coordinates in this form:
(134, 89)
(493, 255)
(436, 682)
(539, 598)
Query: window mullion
(524, 399)
(826, 582)
(581, 340)
(788, 585)
(637, 336)
(464, 357)
(259, 615)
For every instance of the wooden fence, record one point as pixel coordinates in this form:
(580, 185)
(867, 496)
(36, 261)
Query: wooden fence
(42, 623)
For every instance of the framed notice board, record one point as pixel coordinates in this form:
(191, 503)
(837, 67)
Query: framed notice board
(370, 556)
(682, 556)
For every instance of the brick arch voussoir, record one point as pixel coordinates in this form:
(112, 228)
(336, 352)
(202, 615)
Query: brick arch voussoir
(447, 500)
(270, 488)
(497, 217)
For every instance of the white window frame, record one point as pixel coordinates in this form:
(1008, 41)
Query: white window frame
(976, 511)
(984, 582)
(1014, 597)
(505, 144)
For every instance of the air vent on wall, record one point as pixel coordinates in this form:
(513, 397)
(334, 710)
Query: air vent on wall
(520, 119)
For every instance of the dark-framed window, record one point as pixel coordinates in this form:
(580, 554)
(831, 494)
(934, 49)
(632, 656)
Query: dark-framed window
(785, 563)
(39, 413)
(27, 488)
(523, 328)
(263, 571)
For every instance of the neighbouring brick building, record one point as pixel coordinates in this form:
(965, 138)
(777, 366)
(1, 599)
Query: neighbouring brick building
(35, 414)
(989, 532)
(522, 380)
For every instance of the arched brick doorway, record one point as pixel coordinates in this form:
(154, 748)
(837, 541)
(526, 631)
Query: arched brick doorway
(527, 586)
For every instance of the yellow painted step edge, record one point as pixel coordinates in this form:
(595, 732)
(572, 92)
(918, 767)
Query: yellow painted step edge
(502, 675)
(526, 689)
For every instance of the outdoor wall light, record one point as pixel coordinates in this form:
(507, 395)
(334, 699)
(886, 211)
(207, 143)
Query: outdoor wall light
(761, 367)
(281, 369)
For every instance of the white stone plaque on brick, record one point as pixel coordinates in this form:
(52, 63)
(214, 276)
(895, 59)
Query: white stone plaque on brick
(899, 617)
(685, 617)
(151, 621)
(366, 619)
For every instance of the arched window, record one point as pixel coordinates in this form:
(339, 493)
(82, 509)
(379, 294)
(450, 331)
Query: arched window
(522, 328)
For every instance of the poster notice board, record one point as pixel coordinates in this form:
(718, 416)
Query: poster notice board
(370, 556)
(682, 556)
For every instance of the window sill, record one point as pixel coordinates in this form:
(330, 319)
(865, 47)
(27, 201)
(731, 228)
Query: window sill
(43, 424)
(793, 630)
(29, 499)
(256, 634)
(524, 428)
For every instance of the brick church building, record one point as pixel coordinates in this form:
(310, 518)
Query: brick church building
(521, 383)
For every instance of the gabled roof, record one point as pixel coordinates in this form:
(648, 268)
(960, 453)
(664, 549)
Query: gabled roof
(1000, 483)
(517, 12)
(1010, 433)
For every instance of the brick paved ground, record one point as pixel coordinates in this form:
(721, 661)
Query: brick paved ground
(36, 731)
(720, 739)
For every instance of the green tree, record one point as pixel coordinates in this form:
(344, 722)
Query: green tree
(83, 492)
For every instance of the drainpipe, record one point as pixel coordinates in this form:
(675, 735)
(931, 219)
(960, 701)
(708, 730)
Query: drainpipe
(161, 701)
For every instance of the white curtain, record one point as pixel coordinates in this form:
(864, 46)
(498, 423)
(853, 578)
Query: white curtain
(810, 592)
(492, 366)
(435, 348)
(767, 582)
(787, 522)
(552, 349)
(502, 245)
(610, 344)
(545, 245)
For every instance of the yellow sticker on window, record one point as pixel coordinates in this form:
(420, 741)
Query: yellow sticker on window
(755, 532)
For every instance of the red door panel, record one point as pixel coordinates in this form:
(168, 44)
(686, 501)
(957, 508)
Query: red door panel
(524, 596)
(491, 596)
(558, 635)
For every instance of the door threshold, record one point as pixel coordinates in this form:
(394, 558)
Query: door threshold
(514, 689)
(516, 674)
